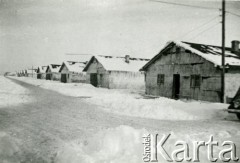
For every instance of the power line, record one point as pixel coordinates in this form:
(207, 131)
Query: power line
(204, 31)
(186, 5)
(233, 13)
(207, 22)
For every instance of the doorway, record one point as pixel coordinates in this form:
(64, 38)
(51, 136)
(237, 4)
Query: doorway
(94, 79)
(39, 76)
(48, 76)
(64, 78)
(176, 86)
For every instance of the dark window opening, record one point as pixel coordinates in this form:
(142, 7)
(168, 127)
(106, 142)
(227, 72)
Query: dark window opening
(195, 81)
(160, 79)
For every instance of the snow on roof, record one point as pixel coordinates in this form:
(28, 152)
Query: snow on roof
(74, 66)
(211, 53)
(112, 63)
(54, 67)
(42, 69)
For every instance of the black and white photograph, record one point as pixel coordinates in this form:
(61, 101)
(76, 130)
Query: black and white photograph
(119, 81)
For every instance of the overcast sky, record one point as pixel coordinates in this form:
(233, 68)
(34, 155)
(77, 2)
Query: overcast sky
(39, 32)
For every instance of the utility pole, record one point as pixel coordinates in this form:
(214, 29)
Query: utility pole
(223, 52)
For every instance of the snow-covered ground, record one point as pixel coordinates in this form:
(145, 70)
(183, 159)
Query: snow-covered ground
(130, 103)
(116, 145)
(119, 143)
(9, 149)
(12, 94)
(124, 144)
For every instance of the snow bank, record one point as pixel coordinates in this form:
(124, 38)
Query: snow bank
(159, 108)
(12, 93)
(9, 149)
(124, 144)
(127, 102)
(116, 145)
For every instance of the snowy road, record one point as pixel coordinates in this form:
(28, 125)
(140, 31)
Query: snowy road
(38, 131)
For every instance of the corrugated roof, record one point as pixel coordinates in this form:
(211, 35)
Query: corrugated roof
(112, 63)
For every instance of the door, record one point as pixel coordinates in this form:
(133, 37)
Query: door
(176, 86)
(93, 79)
(64, 78)
(39, 76)
(48, 76)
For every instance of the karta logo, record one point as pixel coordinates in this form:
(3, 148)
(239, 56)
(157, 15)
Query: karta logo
(153, 148)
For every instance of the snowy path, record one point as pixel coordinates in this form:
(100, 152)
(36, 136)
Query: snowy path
(12, 94)
(131, 102)
(59, 128)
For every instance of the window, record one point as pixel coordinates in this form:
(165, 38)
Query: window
(160, 79)
(195, 81)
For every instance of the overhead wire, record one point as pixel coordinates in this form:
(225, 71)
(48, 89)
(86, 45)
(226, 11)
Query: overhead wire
(198, 27)
(232, 13)
(202, 25)
(200, 7)
(186, 5)
(205, 30)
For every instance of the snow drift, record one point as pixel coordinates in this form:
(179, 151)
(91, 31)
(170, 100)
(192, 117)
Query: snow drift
(124, 144)
(130, 103)
(9, 149)
(115, 145)
(12, 94)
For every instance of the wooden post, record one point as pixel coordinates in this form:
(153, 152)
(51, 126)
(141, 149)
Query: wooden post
(223, 53)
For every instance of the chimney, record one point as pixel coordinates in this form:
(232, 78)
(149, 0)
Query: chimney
(235, 46)
(127, 58)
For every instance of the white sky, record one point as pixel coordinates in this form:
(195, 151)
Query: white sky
(39, 32)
